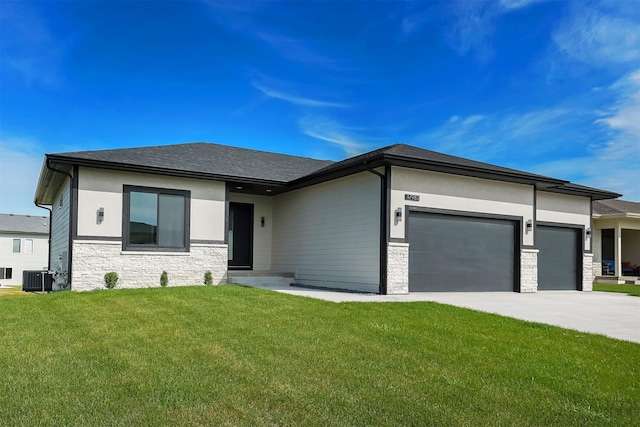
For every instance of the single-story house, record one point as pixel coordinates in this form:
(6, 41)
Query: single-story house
(394, 220)
(616, 241)
(24, 245)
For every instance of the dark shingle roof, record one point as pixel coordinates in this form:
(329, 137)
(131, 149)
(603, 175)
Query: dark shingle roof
(415, 157)
(206, 159)
(11, 223)
(421, 155)
(613, 206)
(261, 168)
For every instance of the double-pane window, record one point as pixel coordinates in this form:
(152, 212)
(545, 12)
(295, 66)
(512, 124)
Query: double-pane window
(6, 273)
(156, 219)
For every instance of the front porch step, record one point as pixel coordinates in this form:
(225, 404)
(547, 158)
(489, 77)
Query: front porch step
(259, 278)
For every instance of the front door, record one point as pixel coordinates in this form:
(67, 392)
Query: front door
(241, 236)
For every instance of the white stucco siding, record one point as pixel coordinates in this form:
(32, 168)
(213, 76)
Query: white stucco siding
(458, 193)
(262, 207)
(99, 188)
(565, 209)
(329, 234)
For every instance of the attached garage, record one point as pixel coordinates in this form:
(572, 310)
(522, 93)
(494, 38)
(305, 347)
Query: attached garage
(559, 259)
(454, 253)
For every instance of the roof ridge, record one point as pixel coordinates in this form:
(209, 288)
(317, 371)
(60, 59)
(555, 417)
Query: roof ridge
(185, 144)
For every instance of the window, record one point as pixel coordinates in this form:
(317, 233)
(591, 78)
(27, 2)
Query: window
(16, 246)
(155, 219)
(6, 273)
(28, 246)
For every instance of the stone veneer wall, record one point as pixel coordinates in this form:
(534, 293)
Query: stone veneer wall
(397, 268)
(92, 259)
(529, 270)
(596, 269)
(587, 272)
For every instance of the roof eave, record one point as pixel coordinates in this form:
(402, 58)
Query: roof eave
(593, 193)
(382, 159)
(617, 215)
(37, 233)
(99, 164)
(49, 182)
(340, 172)
(474, 172)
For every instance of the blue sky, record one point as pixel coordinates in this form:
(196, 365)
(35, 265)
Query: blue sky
(550, 87)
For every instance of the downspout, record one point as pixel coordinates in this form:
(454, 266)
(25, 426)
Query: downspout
(70, 254)
(49, 240)
(383, 231)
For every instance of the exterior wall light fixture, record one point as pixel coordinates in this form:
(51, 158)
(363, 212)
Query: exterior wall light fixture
(529, 225)
(100, 215)
(261, 221)
(588, 232)
(399, 214)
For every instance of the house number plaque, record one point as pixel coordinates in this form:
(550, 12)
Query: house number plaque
(412, 197)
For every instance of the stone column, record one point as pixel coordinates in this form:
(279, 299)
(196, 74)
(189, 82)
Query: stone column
(587, 272)
(528, 270)
(397, 268)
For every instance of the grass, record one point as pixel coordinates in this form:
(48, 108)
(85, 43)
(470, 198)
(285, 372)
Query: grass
(13, 291)
(633, 290)
(229, 355)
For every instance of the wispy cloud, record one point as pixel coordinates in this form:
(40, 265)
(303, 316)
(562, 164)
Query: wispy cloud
(472, 24)
(31, 55)
(624, 114)
(491, 137)
(604, 35)
(329, 130)
(297, 100)
(472, 29)
(553, 142)
(21, 158)
(599, 38)
(297, 49)
(285, 91)
(518, 4)
(618, 159)
(252, 21)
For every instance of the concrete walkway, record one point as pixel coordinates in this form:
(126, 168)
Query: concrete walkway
(612, 314)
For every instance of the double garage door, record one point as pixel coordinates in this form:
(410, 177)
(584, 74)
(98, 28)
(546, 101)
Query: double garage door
(450, 253)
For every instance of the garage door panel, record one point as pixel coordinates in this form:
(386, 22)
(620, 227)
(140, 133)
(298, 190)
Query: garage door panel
(558, 257)
(459, 253)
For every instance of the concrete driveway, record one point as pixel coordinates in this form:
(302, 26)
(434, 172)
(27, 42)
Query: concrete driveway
(612, 314)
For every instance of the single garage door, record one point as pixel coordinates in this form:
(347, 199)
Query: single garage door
(449, 253)
(558, 259)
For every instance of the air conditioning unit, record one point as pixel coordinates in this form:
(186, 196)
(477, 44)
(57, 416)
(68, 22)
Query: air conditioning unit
(37, 281)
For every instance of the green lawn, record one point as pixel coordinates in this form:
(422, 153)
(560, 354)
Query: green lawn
(625, 289)
(6, 291)
(230, 355)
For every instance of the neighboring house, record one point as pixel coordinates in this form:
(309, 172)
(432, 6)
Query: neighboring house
(395, 220)
(616, 241)
(24, 245)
